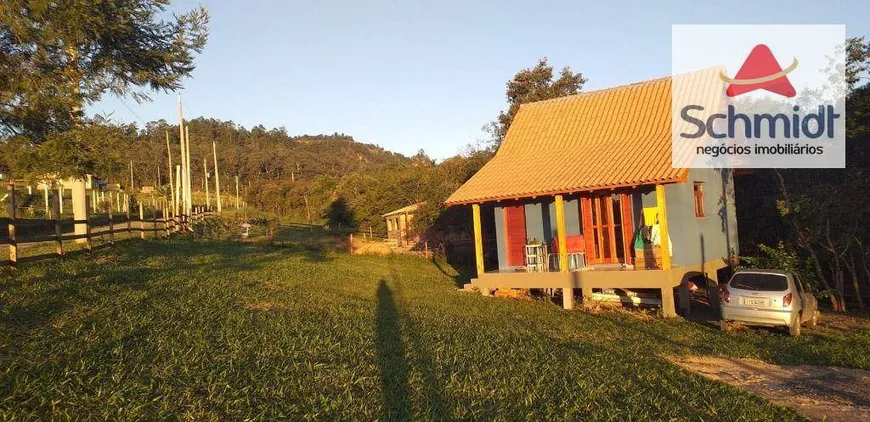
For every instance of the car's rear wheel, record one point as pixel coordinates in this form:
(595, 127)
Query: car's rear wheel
(795, 328)
(724, 325)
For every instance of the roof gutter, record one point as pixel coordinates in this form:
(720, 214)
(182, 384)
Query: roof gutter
(681, 177)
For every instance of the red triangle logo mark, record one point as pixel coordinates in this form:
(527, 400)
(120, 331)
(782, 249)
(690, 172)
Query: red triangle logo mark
(761, 71)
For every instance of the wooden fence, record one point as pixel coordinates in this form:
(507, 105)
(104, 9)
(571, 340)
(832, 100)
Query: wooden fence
(28, 232)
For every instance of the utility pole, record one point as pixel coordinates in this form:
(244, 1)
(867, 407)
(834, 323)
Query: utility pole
(217, 177)
(205, 181)
(131, 177)
(188, 173)
(183, 206)
(177, 191)
(171, 183)
(183, 187)
(307, 210)
(237, 191)
(182, 197)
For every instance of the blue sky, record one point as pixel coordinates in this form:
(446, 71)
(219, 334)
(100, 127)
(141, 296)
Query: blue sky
(429, 74)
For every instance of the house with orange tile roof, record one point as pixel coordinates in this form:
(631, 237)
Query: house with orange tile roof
(582, 197)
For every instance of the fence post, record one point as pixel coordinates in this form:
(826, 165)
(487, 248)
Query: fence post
(141, 222)
(165, 222)
(350, 246)
(127, 209)
(111, 228)
(154, 221)
(13, 243)
(88, 244)
(57, 232)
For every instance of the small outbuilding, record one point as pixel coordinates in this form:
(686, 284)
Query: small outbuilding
(399, 224)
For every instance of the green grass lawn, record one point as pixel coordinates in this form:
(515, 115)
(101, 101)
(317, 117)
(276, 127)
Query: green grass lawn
(238, 330)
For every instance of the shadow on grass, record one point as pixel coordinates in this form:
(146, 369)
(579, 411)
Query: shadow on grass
(397, 359)
(462, 275)
(391, 357)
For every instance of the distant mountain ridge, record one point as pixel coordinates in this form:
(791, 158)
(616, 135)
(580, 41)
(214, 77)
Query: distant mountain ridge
(259, 153)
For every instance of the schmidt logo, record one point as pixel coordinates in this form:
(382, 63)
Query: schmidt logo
(760, 71)
(765, 115)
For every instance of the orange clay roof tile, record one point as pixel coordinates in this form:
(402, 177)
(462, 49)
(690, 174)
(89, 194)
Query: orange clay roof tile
(602, 139)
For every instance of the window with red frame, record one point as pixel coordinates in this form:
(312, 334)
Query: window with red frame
(700, 210)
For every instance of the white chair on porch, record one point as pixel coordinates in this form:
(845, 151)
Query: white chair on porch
(536, 258)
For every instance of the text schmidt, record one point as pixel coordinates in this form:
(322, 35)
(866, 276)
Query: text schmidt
(792, 127)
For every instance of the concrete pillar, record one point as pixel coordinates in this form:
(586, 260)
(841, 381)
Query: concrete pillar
(60, 195)
(568, 298)
(80, 207)
(141, 221)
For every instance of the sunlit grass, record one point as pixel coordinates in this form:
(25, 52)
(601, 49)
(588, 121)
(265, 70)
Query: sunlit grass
(207, 330)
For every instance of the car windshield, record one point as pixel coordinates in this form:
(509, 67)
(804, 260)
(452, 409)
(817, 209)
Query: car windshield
(758, 281)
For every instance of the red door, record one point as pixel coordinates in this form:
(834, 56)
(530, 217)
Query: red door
(515, 220)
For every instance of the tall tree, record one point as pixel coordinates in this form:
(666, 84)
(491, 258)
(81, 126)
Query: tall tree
(533, 84)
(57, 56)
(857, 61)
(822, 213)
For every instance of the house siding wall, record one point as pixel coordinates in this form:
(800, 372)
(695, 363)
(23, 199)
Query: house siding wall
(540, 224)
(687, 232)
(572, 217)
(534, 221)
(541, 219)
(699, 240)
(500, 229)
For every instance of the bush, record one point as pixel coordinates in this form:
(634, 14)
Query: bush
(214, 228)
(267, 223)
(782, 257)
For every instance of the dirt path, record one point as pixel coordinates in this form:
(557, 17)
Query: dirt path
(817, 392)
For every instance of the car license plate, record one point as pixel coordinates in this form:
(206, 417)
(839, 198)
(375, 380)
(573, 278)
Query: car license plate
(754, 301)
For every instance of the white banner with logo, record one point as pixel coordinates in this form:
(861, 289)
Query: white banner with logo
(758, 96)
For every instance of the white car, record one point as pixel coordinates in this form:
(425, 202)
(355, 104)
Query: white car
(769, 298)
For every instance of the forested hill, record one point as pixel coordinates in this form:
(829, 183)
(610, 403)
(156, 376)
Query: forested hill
(257, 153)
